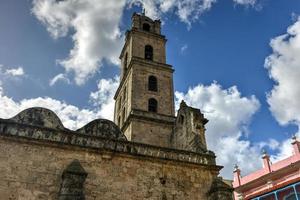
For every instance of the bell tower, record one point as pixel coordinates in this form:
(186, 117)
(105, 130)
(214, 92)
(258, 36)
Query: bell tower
(144, 101)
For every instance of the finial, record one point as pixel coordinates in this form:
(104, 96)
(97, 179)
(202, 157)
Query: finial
(264, 153)
(235, 168)
(182, 103)
(144, 11)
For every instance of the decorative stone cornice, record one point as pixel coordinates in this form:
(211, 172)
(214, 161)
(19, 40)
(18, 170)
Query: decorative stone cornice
(11, 129)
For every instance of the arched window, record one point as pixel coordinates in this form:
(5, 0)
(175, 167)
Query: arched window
(146, 27)
(152, 83)
(148, 52)
(152, 105)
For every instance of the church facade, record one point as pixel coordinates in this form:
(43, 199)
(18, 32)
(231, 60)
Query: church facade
(146, 153)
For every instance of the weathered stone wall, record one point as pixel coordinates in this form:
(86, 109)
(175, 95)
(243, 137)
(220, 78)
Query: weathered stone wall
(140, 93)
(40, 159)
(123, 100)
(189, 131)
(155, 133)
(137, 95)
(33, 171)
(140, 39)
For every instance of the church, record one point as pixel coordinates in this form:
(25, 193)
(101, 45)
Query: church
(148, 152)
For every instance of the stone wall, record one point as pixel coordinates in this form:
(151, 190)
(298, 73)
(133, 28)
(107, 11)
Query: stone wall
(156, 133)
(36, 162)
(140, 93)
(189, 131)
(33, 171)
(140, 39)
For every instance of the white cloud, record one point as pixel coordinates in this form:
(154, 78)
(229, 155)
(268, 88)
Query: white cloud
(71, 116)
(285, 150)
(183, 48)
(96, 31)
(104, 96)
(1, 88)
(95, 26)
(15, 71)
(229, 115)
(284, 68)
(187, 11)
(59, 77)
(246, 2)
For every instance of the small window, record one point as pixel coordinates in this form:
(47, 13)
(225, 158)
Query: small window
(124, 94)
(152, 83)
(152, 105)
(125, 61)
(119, 121)
(148, 52)
(120, 103)
(181, 119)
(123, 114)
(146, 27)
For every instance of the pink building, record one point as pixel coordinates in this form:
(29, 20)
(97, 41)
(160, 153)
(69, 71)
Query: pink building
(277, 181)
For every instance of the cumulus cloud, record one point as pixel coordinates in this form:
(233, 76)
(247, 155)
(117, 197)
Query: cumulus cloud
(229, 115)
(95, 26)
(96, 31)
(284, 68)
(187, 11)
(72, 116)
(59, 77)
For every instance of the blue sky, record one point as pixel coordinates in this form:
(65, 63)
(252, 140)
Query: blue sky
(217, 48)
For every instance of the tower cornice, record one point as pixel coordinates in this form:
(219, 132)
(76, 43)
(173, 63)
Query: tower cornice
(144, 115)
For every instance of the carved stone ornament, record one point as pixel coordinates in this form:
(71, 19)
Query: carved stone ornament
(102, 128)
(37, 116)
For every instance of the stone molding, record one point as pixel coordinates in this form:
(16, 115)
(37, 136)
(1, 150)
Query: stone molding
(144, 115)
(13, 129)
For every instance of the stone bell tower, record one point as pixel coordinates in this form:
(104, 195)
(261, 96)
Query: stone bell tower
(144, 108)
